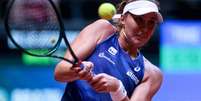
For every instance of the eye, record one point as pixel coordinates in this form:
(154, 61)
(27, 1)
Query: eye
(139, 19)
(151, 23)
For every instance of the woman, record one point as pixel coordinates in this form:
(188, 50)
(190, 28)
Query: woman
(114, 68)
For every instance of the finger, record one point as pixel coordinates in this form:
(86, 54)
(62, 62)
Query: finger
(95, 79)
(87, 70)
(102, 88)
(98, 85)
(87, 76)
(83, 73)
(76, 69)
(101, 83)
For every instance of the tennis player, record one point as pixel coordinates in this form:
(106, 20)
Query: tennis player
(114, 68)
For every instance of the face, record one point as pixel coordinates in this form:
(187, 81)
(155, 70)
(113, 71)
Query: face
(138, 29)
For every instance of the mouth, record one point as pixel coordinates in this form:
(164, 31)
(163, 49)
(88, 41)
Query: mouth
(140, 36)
(139, 33)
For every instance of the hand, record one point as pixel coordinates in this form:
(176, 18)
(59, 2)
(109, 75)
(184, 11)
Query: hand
(86, 72)
(104, 83)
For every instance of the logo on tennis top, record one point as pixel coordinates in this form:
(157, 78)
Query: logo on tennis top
(112, 50)
(137, 69)
(132, 76)
(102, 55)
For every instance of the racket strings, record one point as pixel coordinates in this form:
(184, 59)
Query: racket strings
(36, 20)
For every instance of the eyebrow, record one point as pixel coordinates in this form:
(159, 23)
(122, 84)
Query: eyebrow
(150, 18)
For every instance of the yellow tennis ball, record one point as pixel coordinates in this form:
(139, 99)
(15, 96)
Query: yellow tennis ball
(106, 11)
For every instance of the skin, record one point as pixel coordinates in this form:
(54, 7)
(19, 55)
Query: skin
(133, 35)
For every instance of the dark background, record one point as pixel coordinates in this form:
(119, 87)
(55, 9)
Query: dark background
(16, 76)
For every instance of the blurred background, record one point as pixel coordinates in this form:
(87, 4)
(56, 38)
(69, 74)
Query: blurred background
(175, 48)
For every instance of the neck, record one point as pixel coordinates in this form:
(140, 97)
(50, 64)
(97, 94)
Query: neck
(124, 43)
(133, 54)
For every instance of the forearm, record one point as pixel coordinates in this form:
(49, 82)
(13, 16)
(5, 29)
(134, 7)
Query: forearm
(64, 73)
(66, 78)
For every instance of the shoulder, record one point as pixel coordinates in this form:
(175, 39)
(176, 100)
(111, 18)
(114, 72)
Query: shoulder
(152, 73)
(100, 25)
(103, 23)
(99, 29)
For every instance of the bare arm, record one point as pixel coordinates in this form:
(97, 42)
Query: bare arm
(83, 46)
(150, 85)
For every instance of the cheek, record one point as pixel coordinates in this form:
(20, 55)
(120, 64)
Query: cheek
(142, 40)
(131, 25)
(149, 32)
(148, 36)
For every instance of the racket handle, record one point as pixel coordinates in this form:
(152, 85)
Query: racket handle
(79, 64)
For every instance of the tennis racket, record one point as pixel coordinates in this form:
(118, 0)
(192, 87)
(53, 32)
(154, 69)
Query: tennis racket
(36, 18)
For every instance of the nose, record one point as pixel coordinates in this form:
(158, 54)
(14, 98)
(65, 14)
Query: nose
(142, 30)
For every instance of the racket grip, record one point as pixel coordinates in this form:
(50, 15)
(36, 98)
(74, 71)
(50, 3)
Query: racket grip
(79, 64)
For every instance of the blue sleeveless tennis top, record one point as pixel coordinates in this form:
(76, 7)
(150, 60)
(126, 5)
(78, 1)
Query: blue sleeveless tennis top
(108, 57)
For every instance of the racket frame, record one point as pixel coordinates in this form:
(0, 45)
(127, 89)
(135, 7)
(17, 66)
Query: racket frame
(62, 35)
